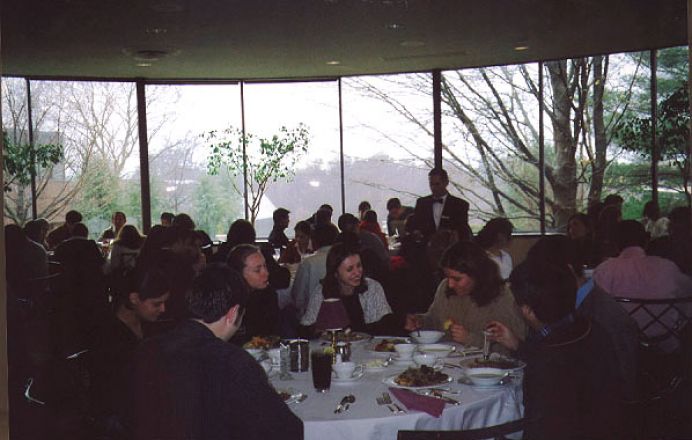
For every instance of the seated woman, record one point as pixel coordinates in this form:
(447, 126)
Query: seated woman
(262, 312)
(471, 295)
(580, 233)
(124, 250)
(370, 224)
(494, 238)
(299, 246)
(363, 298)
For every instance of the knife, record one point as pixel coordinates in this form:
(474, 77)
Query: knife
(340, 406)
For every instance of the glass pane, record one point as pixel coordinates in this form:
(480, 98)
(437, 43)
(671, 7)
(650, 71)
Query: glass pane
(15, 125)
(301, 180)
(92, 126)
(490, 142)
(388, 143)
(179, 118)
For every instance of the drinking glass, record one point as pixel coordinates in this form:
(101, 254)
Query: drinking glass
(321, 370)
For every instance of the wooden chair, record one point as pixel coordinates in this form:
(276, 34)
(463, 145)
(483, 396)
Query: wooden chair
(497, 432)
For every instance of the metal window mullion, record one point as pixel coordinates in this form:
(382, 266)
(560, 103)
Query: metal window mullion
(341, 151)
(32, 150)
(437, 117)
(242, 122)
(145, 184)
(541, 150)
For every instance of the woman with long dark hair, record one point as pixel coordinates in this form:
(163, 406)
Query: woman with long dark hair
(494, 238)
(470, 296)
(363, 298)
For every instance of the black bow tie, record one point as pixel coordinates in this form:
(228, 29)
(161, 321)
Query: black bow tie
(438, 200)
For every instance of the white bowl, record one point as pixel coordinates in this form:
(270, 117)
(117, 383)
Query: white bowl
(426, 336)
(436, 350)
(428, 359)
(405, 351)
(485, 376)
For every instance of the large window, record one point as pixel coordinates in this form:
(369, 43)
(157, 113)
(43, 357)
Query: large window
(388, 143)
(178, 120)
(490, 142)
(304, 179)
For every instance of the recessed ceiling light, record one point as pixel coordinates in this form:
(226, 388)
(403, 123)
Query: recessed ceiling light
(333, 63)
(155, 30)
(144, 64)
(412, 43)
(394, 26)
(521, 47)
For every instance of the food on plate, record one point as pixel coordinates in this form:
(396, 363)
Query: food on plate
(376, 363)
(265, 342)
(420, 377)
(500, 363)
(347, 337)
(387, 345)
(285, 395)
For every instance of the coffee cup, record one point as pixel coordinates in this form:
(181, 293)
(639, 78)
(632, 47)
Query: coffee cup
(405, 351)
(275, 355)
(346, 370)
(428, 359)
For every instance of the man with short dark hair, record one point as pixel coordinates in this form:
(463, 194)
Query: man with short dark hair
(63, 232)
(349, 223)
(397, 216)
(277, 237)
(118, 220)
(441, 210)
(167, 218)
(192, 384)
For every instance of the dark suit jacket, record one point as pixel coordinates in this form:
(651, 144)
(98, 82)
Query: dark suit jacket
(455, 216)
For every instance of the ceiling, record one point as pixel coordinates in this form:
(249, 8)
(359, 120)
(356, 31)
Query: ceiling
(288, 39)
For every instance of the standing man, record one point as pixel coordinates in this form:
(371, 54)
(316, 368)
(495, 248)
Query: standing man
(118, 221)
(190, 383)
(441, 210)
(277, 237)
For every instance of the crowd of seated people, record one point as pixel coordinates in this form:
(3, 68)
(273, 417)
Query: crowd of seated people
(442, 278)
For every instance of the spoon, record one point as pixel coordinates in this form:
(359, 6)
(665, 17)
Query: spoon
(486, 345)
(349, 400)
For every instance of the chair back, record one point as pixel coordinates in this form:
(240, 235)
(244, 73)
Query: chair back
(662, 322)
(497, 432)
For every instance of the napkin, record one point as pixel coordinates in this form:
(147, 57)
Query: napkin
(417, 402)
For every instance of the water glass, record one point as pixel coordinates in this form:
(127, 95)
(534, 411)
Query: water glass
(321, 370)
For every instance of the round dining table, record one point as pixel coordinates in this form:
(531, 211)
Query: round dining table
(368, 419)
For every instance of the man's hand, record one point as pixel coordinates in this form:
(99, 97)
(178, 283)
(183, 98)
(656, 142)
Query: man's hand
(459, 333)
(412, 322)
(499, 332)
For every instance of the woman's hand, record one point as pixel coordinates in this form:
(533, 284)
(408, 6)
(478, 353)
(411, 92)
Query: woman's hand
(499, 332)
(459, 333)
(412, 322)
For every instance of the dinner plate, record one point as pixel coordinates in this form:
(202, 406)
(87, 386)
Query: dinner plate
(355, 378)
(376, 340)
(389, 381)
(353, 337)
(402, 362)
(518, 365)
(376, 365)
(466, 381)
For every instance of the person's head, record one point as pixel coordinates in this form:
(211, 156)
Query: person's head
(218, 298)
(148, 294)
(184, 221)
(613, 200)
(302, 231)
(630, 233)
(393, 206)
(241, 231)
(129, 237)
(545, 292)
(118, 219)
(579, 226)
(323, 235)
(327, 207)
(438, 181)
(679, 226)
(651, 210)
(247, 260)
(348, 222)
(363, 207)
(281, 218)
(167, 218)
(323, 216)
(73, 217)
(496, 233)
(558, 250)
(37, 229)
(344, 271)
(370, 216)
(469, 271)
(186, 245)
(80, 230)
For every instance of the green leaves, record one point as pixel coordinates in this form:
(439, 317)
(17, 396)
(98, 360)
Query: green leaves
(17, 160)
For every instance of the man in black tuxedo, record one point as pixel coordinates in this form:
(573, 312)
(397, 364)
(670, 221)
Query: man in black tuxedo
(441, 210)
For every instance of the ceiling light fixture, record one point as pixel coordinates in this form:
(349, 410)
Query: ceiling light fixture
(143, 64)
(333, 63)
(155, 30)
(412, 43)
(394, 26)
(521, 47)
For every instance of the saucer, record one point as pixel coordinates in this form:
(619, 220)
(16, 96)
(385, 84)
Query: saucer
(351, 379)
(402, 362)
(466, 381)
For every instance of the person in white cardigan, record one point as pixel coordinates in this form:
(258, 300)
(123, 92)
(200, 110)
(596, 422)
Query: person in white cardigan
(494, 238)
(124, 250)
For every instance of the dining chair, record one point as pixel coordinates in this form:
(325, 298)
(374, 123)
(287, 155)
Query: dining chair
(497, 432)
(664, 376)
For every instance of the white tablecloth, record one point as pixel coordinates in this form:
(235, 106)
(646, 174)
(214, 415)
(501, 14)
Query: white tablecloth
(366, 420)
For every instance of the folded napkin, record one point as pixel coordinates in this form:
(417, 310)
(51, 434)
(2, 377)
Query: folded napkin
(417, 402)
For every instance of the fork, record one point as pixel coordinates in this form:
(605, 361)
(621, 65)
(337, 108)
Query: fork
(381, 401)
(387, 399)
